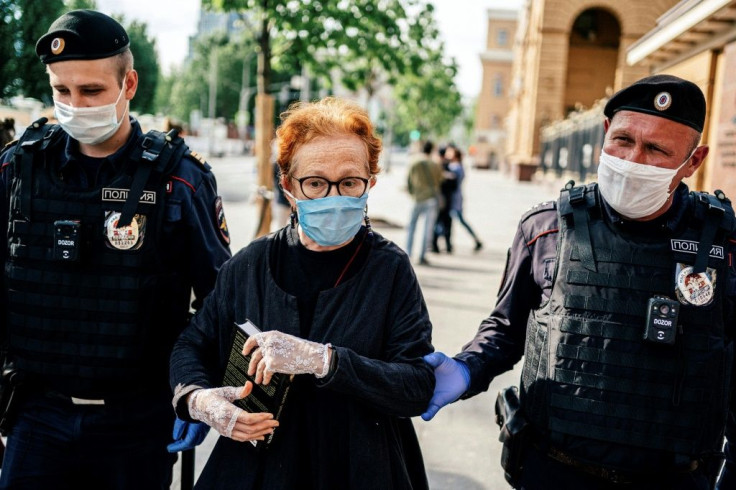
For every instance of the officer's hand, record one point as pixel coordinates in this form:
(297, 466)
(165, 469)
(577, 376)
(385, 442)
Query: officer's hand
(187, 435)
(452, 379)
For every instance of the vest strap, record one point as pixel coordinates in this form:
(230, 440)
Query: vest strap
(714, 216)
(158, 149)
(582, 227)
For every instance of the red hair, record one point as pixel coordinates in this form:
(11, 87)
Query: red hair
(331, 116)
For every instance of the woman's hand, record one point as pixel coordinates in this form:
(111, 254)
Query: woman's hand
(214, 406)
(277, 352)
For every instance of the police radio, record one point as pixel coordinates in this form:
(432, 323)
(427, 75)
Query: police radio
(661, 325)
(66, 240)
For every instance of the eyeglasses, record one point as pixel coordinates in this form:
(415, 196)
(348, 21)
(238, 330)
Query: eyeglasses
(316, 187)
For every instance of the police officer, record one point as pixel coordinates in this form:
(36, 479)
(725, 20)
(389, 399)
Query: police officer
(620, 297)
(109, 233)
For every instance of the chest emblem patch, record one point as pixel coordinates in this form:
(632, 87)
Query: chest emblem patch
(125, 237)
(694, 289)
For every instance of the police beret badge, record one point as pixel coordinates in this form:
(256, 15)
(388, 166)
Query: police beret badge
(662, 101)
(57, 45)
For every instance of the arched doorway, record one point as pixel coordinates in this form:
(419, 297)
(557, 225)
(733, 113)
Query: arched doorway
(592, 58)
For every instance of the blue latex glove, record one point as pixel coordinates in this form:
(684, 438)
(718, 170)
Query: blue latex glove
(452, 379)
(187, 435)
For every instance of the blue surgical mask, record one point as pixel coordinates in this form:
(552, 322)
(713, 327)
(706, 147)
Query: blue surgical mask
(331, 220)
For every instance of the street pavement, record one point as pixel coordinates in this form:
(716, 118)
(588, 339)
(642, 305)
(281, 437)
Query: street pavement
(460, 445)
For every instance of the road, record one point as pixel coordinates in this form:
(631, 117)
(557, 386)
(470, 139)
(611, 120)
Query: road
(460, 445)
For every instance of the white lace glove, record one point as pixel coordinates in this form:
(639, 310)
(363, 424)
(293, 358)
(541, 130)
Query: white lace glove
(214, 406)
(279, 352)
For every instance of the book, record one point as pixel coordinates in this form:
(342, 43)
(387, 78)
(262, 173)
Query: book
(263, 398)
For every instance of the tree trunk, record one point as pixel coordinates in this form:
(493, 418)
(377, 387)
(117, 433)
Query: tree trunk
(264, 128)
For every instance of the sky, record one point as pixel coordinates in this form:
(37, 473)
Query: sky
(462, 23)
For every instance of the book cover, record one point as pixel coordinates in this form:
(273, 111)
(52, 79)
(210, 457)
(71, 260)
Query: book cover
(263, 398)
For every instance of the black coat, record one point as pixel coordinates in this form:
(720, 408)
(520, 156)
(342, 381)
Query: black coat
(349, 430)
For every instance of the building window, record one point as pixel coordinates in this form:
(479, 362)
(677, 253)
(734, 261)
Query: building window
(498, 86)
(495, 121)
(502, 37)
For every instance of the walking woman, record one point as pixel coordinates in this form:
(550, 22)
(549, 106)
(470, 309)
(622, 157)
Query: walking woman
(455, 156)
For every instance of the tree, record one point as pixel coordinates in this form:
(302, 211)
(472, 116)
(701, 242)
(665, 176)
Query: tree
(428, 100)
(319, 34)
(8, 40)
(81, 4)
(35, 19)
(22, 23)
(144, 52)
(183, 91)
(163, 99)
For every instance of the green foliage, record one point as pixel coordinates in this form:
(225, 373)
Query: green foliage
(9, 27)
(146, 64)
(370, 43)
(188, 92)
(163, 101)
(363, 39)
(81, 4)
(428, 100)
(187, 88)
(22, 23)
(35, 19)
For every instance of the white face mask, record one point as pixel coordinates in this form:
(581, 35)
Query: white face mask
(634, 190)
(90, 125)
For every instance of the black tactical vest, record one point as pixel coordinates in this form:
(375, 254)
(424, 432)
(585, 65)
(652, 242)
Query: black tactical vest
(589, 373)
(96, 323)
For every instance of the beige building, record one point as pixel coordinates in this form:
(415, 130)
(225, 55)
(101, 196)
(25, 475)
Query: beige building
(696, 40)
(568, 54)
(493, 100)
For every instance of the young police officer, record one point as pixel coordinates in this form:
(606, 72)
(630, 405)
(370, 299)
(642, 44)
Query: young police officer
(620, 296)
(109, 232)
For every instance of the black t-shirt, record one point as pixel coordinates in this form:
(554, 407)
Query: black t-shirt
(304, 273)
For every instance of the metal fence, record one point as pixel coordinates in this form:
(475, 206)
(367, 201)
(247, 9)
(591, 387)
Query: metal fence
(571, 147)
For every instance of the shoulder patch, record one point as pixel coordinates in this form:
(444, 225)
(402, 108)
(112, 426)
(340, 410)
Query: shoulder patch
(221, 222)
(198, 158)
(538, 208)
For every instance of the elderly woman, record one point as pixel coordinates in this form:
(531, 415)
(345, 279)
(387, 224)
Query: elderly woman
(340, 308)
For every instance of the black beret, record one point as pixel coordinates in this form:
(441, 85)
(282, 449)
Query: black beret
(82, 35)
(664, 96)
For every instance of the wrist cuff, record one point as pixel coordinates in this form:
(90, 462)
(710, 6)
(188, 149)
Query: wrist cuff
(325, 361)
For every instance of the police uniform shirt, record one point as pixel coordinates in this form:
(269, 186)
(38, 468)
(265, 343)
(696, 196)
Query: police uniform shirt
(192, 207)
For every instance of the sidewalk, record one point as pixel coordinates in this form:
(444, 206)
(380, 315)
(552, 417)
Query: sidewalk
(460, 445)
